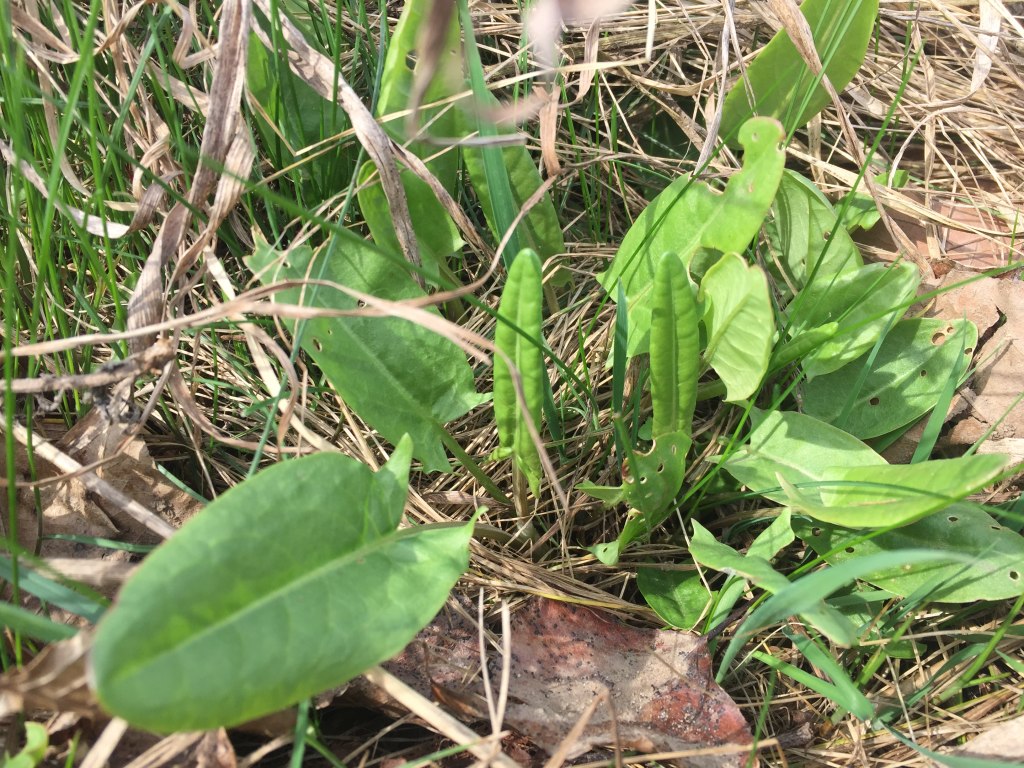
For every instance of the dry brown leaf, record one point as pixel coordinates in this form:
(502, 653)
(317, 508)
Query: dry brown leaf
(997, 308)
(55, 680)
(1003, 742)
(657, 687)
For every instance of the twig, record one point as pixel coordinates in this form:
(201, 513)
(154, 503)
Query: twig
(447, 725)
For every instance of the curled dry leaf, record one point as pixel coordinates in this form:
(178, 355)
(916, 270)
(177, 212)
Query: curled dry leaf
(657, 690)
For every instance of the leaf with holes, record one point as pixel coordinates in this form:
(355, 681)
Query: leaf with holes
(895, 495)
(806, 240)
(675, 353)
(290, 583)
(991, 566)
(651, 482)
(688, 216)
(399, 377)
(436, 234)
(782, 84)
(518, 335)
(905, 382)
(740, 324)
(864, 302)
(797, 447)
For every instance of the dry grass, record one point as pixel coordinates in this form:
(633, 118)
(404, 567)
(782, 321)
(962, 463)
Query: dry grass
(965, 146)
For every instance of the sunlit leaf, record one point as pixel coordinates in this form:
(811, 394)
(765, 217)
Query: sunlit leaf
(289, 583)
(783, 85)
(801, 449)
(894, 495)
(688, 215)
(675, 349)
(521, 341)
(906, 378)
(399, 377)
(740, 324)
(991, 566)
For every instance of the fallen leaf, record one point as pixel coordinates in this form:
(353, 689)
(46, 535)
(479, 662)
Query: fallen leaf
(69, 507)
(54, 680)
(654, 689)
(1003, 742)
(950, 243)
(996, 308)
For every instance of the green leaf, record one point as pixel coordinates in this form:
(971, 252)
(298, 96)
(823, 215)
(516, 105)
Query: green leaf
(860, 209)
(905, 382)
(801, 345)
(782, 84)
(650, 484)
(27, 622)
(713, 554)
(689, 215)
(288, 584)
(37, 740)
(504, 178)
(754, 566)
(864, 302)
(609, 494)
(807, 243)
(894, 495)
(436, 234)
(539, 230)
(800, 448)
(399, 377)
(740, 324)
(678, 597)
(653, 479)
(675, 353)
(37, 583)
(840, 689)
(991, 566)
(518, 335)
(299, 117)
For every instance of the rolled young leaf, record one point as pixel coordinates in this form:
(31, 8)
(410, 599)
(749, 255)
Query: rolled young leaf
(675, 349)
(518, 335)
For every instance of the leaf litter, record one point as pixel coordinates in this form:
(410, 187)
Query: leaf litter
(654, 690)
